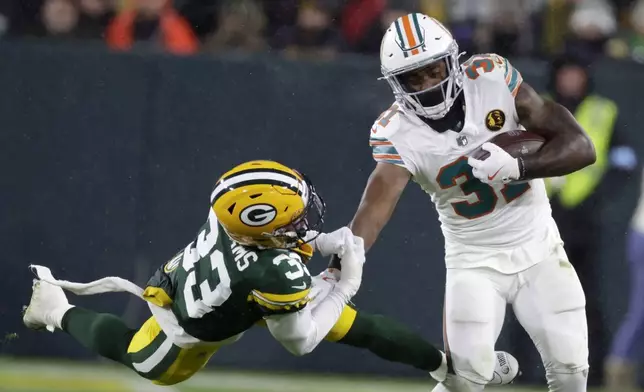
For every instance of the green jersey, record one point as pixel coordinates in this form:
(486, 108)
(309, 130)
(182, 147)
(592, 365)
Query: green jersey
(218, 288)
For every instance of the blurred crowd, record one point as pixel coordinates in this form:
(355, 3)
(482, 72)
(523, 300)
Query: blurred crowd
(324, 28)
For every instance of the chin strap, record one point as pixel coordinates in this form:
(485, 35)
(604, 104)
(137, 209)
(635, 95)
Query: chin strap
(305, 250)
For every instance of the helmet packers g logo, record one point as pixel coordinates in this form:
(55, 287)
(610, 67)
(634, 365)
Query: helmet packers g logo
(495, 120)
(258, 215)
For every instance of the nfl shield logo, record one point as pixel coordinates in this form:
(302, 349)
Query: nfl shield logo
(461, 141)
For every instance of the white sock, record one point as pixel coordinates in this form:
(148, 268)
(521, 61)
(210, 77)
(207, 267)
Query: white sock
(455, 383)
(440, 373)
(55, 316)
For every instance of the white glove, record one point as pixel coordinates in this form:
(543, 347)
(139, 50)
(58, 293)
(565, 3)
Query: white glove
(331, 243)
(499, 168)
(352, 263)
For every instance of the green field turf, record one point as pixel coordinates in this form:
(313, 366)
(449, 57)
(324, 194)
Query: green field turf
(61, 376)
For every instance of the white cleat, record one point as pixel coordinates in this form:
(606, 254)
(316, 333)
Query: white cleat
(506, 369)
(47, 306)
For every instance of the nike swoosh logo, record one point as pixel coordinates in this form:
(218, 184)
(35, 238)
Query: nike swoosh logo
(493, 176)
(300, 287)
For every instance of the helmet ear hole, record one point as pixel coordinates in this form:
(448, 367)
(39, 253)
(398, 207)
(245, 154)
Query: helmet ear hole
(231, 208)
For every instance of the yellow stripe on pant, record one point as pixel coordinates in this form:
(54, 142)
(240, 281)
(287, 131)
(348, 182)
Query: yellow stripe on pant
(343, 325)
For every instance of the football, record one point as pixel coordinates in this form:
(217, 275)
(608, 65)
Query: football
(516, 143)
(506, 370)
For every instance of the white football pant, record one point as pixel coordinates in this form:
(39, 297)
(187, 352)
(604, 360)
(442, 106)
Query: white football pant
(548, 301)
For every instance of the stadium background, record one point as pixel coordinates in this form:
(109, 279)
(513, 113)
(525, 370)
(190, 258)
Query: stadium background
(108, 155)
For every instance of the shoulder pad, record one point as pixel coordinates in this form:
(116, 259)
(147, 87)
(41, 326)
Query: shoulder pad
(387, 124)
(493, 68)
(285, 285)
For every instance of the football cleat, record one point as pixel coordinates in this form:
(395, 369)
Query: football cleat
(506, 369)
(47, 306)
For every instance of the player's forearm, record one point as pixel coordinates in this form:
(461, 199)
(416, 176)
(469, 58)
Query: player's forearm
(368, 223)
(384, 188)
(567, 149)
(301, 332)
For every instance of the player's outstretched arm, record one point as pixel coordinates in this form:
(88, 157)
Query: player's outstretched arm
(567, 149)
(301, 331)
(384, 188)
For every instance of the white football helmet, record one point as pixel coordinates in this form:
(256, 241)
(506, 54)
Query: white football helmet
(415, 41)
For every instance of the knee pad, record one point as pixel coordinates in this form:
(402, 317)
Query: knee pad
(478, 366)
(563, 342)
(473, 315)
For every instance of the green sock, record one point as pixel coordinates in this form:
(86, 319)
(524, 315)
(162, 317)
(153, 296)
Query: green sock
(102, 333)
(392, 341)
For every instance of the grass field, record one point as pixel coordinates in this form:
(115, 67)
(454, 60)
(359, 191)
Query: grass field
(61, 376)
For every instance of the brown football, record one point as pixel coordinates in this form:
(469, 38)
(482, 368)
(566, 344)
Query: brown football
(516, 143)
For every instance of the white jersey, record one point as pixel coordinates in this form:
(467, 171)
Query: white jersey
(483, 225)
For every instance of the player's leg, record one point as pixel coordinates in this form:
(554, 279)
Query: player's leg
(386, 338)
(154, 356)
(146, 351)
(381, 335)
(474, 313)
(105, 334)
(550, 305)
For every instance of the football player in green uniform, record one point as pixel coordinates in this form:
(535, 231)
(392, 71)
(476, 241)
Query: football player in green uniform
(245, 267)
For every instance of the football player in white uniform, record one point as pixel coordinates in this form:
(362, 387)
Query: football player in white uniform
(501, 243)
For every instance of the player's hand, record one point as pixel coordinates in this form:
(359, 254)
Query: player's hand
(352, 263)
(499, 168)
(333, 243)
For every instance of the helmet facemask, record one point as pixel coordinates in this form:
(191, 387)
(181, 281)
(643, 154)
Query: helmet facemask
(309, 219)
(433, 102)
